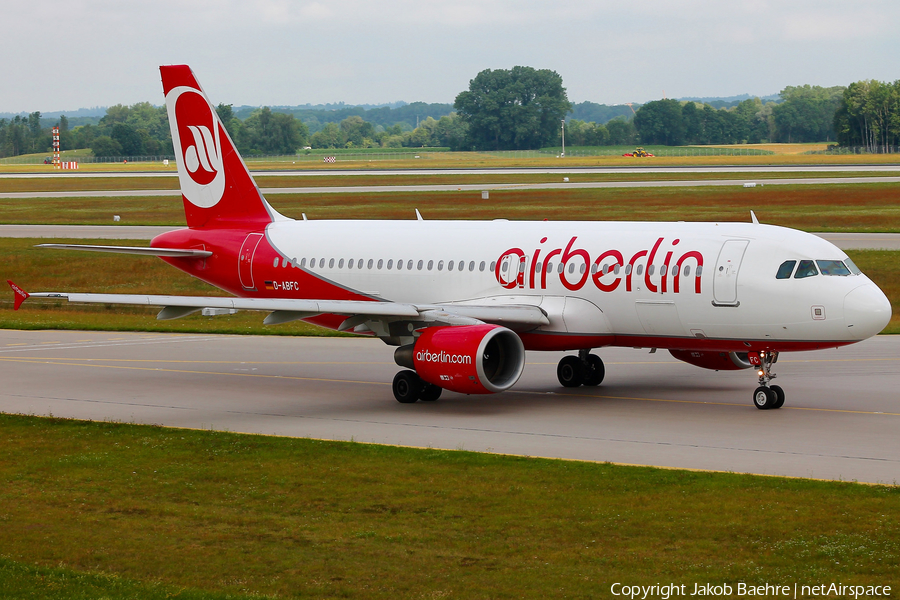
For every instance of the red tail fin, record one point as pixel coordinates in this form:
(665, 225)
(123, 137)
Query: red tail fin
(216, 186)
(19, 295)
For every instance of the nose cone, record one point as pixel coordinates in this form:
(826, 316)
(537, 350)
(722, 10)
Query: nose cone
(866, 311)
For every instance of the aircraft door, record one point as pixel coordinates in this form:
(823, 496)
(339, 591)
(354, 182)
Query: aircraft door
(245, 260)
(726, 275)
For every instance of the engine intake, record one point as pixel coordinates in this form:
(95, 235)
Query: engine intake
(470, 359)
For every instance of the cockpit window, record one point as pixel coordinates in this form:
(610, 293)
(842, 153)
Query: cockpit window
(852, 266)
(806, 269)
(833, 267)
(785, 270)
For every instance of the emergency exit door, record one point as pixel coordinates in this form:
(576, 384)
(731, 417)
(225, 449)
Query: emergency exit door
(245, 260)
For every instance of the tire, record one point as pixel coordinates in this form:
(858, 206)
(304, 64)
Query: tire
(596, 372)
(779, 396)
(430, 392)
(570, 371)
(764, 398)
(406, 387)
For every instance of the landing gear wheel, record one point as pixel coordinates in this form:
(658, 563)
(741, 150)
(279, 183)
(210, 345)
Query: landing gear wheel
(430, 392)
(764, 397)
(570, 371)
(595, 372)
(407, 386)
(779, 396)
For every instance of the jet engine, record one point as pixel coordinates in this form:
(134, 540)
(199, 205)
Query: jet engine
(470, 359)
(718, 361)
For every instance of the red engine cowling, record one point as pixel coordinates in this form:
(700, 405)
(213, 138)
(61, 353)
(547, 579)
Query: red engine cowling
(470, 359)
(719, 361)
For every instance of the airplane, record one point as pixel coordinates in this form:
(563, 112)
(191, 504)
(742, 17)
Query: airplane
(461, 301)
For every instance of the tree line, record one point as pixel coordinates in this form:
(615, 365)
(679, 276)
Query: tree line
(504, 109)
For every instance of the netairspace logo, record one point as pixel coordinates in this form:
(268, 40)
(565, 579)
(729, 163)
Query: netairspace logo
(821, 590)
(443, 357)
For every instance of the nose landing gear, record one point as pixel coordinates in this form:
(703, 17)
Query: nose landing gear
(766, 396)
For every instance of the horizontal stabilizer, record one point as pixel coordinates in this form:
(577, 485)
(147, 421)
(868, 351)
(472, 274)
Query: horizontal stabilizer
(169, 252)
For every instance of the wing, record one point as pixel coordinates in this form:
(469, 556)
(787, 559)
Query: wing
(361, 316)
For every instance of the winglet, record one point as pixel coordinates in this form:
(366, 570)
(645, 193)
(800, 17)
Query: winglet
(20, 295)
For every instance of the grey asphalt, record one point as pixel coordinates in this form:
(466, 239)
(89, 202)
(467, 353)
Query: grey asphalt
(367, 189)
(839, 422)
(845, 241)
(645, 167)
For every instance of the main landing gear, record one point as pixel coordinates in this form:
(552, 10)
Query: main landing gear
(409, 387)
(766, 396)
(584, 369)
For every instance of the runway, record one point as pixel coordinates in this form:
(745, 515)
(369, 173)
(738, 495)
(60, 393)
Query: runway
(845, 241)
(839, 422)
(562, 170)
(470, 187)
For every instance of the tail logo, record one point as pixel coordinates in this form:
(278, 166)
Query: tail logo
(195, 135)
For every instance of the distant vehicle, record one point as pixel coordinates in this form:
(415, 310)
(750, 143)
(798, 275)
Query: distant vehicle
(638, 153)
(48, 161)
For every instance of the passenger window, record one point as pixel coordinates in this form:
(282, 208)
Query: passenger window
(341, 264)
(471, 265)
(371, 262)
(785, 270)
(687, 270)
(430, 264)
(419, 265)
(322, 263)
(651, 269)
(350, 264)
(330, 263)
(833, 267)
(481, 266)
(390, 264)
(440, 265)
(806, 269)
(380, 263)
(549, 267)
(303, 262)
(699, 270)
(561, 268)
(493, 265)
(409, 265)
(640, 270)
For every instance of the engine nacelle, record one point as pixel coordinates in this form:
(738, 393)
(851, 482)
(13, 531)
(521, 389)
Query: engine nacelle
(719, 361)
(470, 359)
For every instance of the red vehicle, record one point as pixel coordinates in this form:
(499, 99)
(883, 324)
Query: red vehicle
(638, 153)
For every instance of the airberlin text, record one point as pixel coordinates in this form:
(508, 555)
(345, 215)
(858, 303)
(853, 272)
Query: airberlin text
(664, 591)
(608, 271)
(443, 357)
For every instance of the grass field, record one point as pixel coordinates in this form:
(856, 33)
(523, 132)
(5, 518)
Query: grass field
(857, 207)
(127, 511)
(774, 154)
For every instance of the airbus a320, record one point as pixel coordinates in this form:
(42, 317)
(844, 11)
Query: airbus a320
(463, 300)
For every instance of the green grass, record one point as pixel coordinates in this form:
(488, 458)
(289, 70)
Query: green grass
(858, 207)
(144, 509)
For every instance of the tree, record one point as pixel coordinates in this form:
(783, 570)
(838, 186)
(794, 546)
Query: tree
(660, 122)
(516, 109)
(807, 113)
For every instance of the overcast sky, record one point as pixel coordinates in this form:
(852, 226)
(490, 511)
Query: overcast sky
(65, 55)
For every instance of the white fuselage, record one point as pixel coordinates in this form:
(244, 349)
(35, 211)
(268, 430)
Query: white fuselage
(620, 278)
